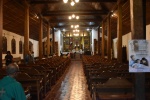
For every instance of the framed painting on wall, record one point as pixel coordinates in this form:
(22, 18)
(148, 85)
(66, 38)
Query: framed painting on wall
(13, 46)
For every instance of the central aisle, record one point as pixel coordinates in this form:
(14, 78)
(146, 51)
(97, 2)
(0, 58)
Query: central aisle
(72, 86)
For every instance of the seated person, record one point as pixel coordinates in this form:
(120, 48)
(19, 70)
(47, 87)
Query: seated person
(10, 89)
(8, 58)
(61, 54)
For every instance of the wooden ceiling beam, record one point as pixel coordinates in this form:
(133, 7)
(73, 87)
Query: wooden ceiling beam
(61, 1)
(81, 26)
(81, 12)
(79, 20)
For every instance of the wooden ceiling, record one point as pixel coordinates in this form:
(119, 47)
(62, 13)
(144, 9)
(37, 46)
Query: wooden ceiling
(91, 14)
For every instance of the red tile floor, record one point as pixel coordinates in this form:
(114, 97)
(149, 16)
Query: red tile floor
(71, 86)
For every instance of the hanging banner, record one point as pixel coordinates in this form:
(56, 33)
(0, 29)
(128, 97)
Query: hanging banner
(139, 56)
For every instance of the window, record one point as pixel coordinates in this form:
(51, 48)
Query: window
(4, 43)
(20, 47)
(13, 46)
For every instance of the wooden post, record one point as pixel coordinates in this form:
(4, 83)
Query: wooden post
(83, 42)
(48, 40)
(40, 39)
(53, 38)
(138, 31)
(1, 30)
(119, 33)
(99, 41)
(26, 30)
(108, 38)
(103, 39)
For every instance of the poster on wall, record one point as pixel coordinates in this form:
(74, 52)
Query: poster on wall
(139, 56)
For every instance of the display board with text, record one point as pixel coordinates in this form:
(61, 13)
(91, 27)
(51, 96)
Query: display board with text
(139, 56)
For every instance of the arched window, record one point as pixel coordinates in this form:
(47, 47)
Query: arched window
(4, 43)
(20, 47)
(13, 46)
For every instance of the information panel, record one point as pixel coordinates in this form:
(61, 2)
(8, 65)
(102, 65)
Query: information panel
(139, 56)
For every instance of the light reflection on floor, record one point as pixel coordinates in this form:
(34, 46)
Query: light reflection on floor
(72, 86)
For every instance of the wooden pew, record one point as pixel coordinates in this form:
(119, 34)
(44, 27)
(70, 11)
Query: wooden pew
(114, 89)
(36, 85)
(34, 73)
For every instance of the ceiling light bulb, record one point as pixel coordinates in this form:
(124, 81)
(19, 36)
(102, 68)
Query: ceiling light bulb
(77, 17)
(72, 3)
(70, 17)
(65, 1)
(73, 16)
(76, 1)
(71, 26)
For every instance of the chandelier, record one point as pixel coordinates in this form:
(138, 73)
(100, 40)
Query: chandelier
(73, 17)
(72, 2)
(76, 30)
(74, 26)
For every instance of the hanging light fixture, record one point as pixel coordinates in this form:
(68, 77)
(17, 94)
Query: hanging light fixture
(72, 2)
(76, 1)
(74, 26)
(73, 16)
(65, 1)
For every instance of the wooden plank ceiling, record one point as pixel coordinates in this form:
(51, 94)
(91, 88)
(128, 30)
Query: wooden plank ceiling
(91, 14)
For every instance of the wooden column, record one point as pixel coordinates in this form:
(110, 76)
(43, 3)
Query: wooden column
(26, 30)
(103, 39)
(119, 33)
(40, 39)
(137, 19)
(1, 29)
(138, 31)
(53, 43)
(108, 38)
(83, 41)
(98, 40)
(48, 40)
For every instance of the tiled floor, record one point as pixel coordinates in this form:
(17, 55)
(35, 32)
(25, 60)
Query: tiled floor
(72, 86)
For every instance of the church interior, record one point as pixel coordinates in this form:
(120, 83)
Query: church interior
(80, 48)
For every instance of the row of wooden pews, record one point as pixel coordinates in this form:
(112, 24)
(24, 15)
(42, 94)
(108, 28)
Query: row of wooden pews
(38, 78)
(108, 80)
(111, 80)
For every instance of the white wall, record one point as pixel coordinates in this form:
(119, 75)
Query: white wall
(126, 38)
(58, 39)
(115, 47)
(9, 35)
(148, 32)
(94, 36)
(35, 47)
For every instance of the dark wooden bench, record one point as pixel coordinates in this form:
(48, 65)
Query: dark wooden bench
(36, 85)
(114, 89)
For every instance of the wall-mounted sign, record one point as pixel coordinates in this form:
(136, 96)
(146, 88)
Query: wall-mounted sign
(139, 56)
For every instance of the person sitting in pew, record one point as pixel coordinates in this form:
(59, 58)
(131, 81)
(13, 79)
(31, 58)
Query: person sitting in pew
(8, 58)
(10, 89)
